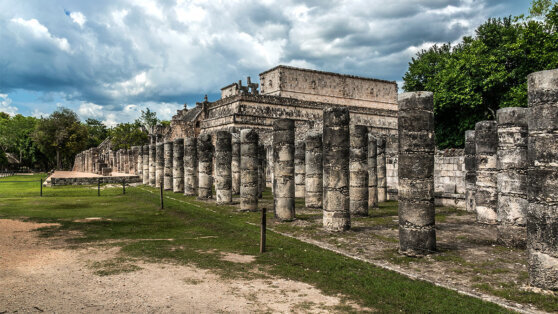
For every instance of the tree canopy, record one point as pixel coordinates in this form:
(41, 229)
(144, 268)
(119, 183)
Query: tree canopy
(476, 77)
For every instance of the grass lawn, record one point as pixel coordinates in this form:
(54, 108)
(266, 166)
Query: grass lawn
(201, 231)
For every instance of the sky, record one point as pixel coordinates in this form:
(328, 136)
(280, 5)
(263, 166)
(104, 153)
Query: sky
(110, 59)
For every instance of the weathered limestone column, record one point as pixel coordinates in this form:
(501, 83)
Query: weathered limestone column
(113, 161)
(223, 164)
(284, 172)
(470, 171)
(123, 164)
(248, 170)
(139, 162)
(167, 181)
(336, 214)
(299, 169)
(205, 167)
(134, 160)
(152, 164)
(261, 170)
(235, 164)
(372, 172)
(145, 165)
(512, 178)
(417, 235)
(159, 165)
(358, 171)
(486, 194)
(130, 161)
(314, 171)
(381, 169)
(178, 166)
(542, 178)
(117, 160)
(190, 166)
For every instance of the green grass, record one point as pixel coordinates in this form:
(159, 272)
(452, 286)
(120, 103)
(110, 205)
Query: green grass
(196, 233)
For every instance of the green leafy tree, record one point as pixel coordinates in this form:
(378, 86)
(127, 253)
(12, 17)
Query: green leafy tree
(126, 135)
(97, 131)
(60, 137)
(148, 119)
(483, 73)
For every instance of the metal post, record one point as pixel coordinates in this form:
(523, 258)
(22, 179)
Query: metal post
(99, 187)
(41, 183)
(161, 196)
(263, 230)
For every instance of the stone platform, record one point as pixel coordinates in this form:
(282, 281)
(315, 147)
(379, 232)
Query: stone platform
(86, 178)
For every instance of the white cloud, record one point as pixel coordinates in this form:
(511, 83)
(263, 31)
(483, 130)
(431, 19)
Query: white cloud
(90, 110)
(39, 114)
(78, 18)
(40, 31)
(5, 105)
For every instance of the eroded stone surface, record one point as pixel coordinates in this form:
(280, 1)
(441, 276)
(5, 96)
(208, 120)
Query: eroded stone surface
(314, 171)
(190, 166)
(249, 170)
(542, 179)
(358, 168)
(486, 160)
(417, 235)
(205, 166)
(336, 214)
(168, 168)
(178, 166)
(284, 169)
(223, 161)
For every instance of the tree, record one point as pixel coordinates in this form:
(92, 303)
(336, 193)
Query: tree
(97, 131)
(148, 119)
(126, 135)
(475, 78)
(60, 137)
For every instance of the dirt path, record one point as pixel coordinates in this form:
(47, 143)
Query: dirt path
(42, 275)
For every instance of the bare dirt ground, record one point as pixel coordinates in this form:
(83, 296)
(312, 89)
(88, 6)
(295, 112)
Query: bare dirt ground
(39, 274)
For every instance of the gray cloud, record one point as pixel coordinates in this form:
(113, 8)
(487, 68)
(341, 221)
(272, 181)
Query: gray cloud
(113, 54)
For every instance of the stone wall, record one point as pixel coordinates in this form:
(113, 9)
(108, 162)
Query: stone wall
(327, 87)
(449, 177)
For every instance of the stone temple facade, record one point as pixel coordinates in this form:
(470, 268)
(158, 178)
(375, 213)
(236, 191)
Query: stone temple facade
(286, 92)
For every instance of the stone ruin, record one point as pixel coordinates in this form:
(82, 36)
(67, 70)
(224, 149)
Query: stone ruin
(507, 174)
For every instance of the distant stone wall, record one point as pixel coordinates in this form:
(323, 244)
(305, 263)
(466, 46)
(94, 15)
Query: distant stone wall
(93, 180)
(329, 87)
(449, 177)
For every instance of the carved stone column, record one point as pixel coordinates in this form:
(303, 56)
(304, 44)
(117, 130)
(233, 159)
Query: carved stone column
(223, 162)
(248, 170)
(336, 215)
(358, 169)
(314, 171)
(284, 172)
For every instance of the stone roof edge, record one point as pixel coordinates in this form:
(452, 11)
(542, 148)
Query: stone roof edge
(231, 84)
(328, 73)
(278, 100)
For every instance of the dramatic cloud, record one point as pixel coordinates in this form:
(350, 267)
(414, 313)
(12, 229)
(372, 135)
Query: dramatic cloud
(5, 103)
(104, 56)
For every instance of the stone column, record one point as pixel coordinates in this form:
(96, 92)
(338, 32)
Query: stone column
(261, 170)
(512, 178)
(145, 165)
(113, 161)
(139, 164)
(284, 172)
(299, 169)
(205, 167)
(235, 164)
(159, 165)
(358, 170)
(372, 172)
(116, 161)
(134, 160)
(417, 235)
(190, 166)
(123, 163)
(130, 161)
(248, 170)
(381, 169)
(542, 178)
(223, 164)
(167, 181)
(486, 194)
(152, 164)
(178, 166)
(314, 171)
(470, 171)
(336, 215)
